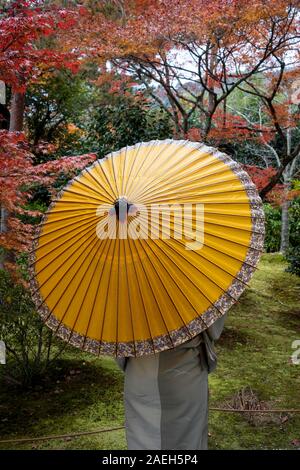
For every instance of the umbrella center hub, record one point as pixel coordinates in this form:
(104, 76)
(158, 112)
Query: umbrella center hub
(122, 207)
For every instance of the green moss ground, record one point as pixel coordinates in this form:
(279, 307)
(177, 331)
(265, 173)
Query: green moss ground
(86, 393)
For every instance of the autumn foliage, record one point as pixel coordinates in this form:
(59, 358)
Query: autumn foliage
(17, 177)
(189, 56)
(197, 53)
(23, 24)
(28, 47)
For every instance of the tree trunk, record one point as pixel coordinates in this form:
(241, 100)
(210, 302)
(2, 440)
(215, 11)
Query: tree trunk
(16, 124)
(284, 241)
(17, 112)
(287, 174)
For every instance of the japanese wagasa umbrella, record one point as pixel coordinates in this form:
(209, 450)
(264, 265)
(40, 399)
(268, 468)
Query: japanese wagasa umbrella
(146, 248)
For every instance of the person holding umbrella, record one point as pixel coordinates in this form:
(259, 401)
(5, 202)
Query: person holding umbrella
(155, 303)
(166, 394)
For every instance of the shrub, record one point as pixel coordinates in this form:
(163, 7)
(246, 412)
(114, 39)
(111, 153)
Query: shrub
(273, 228)
(29, 343)
(293, 258)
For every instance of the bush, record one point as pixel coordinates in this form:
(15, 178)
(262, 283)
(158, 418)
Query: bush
(124, 123)
(293, 253)
(293, 258)
(294, 221)
(273, 228)
(29, 343)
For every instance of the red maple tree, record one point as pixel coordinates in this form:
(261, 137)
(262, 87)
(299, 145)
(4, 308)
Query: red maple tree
(23, 25)
(191, 55)
(28, 46)
(17, 177)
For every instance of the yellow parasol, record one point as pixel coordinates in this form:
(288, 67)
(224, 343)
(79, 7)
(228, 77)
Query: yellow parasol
(146, 248)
